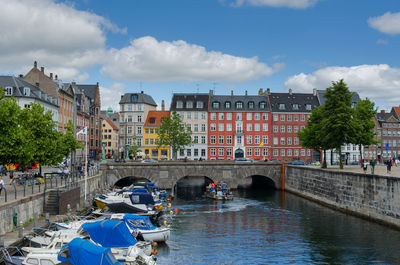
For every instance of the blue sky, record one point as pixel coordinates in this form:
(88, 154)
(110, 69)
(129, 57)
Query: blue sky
(166, 46)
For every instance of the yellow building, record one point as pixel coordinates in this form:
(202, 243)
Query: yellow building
(150, 136)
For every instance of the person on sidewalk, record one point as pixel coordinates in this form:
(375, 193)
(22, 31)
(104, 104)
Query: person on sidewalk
(1, 184)
(389, 166)
(372, 164)
(365, 165)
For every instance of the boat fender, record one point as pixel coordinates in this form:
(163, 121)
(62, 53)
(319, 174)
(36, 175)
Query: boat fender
(169, 205)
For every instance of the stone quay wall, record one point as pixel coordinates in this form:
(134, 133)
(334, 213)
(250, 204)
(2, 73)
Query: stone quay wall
(31, 206)
(368, 196)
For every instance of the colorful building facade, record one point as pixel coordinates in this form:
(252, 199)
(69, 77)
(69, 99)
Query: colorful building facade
(150, 136)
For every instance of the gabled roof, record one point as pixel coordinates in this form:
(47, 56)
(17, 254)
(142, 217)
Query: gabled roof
(154, 117)
(137, 98)
(185, 97)
(322, 99)
(89, 90)
(291, 100)
(18, 85)
(386, 116)
(112, 125)
(245, 99)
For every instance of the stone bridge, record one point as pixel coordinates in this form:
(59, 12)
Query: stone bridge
(167, 174)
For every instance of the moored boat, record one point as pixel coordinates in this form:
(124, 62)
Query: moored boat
(218, 191)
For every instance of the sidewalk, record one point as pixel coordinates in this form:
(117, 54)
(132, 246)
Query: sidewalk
(379, 169)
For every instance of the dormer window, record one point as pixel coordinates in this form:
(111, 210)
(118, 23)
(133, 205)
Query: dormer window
(251, 105)
(308, 106)
(281, 106)
(215, 105)
(295, 106)
(239, 105)
(27, 91)
(189, 104)
(227, 105)
(152, 120)
(9, 91)
(263, 105)
(179, 104)
(199, 104)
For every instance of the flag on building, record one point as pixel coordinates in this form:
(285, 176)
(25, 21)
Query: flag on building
(83, 131)
(262, 143)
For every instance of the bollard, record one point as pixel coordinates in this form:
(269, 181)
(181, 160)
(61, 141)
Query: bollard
(20, 230)
(68, 208)
(77, 208)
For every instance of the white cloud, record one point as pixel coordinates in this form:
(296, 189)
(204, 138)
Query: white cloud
(297, 4)
(382, 41)
(377, 82)
(388, 23)
(55, 34)
(147, 59)
(111, 96)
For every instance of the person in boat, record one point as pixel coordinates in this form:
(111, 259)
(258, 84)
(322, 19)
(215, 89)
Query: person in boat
(212, 189)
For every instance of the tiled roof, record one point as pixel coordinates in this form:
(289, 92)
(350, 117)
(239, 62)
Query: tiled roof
(112, 125)
(397, 111)
(385, 116)
(292, 102)
(137, 98)
(154, 117)
(247, 101)
(89, 90)
(194, 98)
(322, 98)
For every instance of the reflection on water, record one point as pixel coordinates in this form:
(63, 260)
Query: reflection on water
(264, 227)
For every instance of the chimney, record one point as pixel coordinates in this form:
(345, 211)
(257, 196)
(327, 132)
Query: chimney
(35, 64)
(162, 105)
(290, 91)
(383, 111)
(42, 69)
(56, 77)
(231, 92)
(211, 92)
(21, 76)
(260, 92)
(122, 96)
(245, 93)
(141, 92)
(268, 91)
(97, 84)
(51, 76)
(314, 91)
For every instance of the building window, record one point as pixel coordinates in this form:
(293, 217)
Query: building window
(249, 116)
(265, 127)
(9, 91)
(229, 127)
(182, 152)
(257, 152)
(220, 127)
(139, 107)
(212, 152)
(213, 127)
(289, 141)
(229, 152)
(265, 152)
(189, 127)
(303, 152)
(213, 139)
(221, 139)
(196, 152)
(289, 152)
(215, 105)
(203, 115)
(275, 140)
(220, 116)
(249, 153)
(196, 139)
(289, 129)
(249, 127)
(239, 116)
(275, 129)
(303, 118)
(257, 139)
(282, 140)
(229, 139)
(265, 116)
(289, 117)
(265, 139)
(257, 127)
(179, 104)
(203, 139)
(129, 129)
(196, 115)
(220, 152)
(275, 152)
(295, 106)
(203, 127)
(239, 127)
(213, 116)
(249, 139)
(189, 104)
(275, 117)
(199, 104)
(239, 105)
(282, 152)
(129, 107)
(151, 141)
(203, 152)
(129, 118)
(227, 105)
(282, 128)
(251, 105)
(239, 139)
(308, 106)
(27, 91)
(296, 129)
(296, 141)
(281, 106)
(229, 116)
(189, 152)
(263, 105)
(189, 115)
(146, 141)
(256, 116)
(296, 117)
(139, 130)
(296, 152)
(196, 127)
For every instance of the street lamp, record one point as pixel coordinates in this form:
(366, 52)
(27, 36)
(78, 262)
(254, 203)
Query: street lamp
(127, 152)
(103, 142)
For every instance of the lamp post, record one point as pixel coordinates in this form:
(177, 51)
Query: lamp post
(127, 152)
(103, 142)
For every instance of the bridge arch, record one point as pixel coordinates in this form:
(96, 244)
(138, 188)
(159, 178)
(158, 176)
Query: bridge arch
(258, 181)
(129, 180)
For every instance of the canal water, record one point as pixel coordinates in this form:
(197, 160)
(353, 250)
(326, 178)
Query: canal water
(268, 227)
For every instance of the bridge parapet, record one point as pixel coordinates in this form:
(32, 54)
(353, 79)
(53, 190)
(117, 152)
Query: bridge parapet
(166, 174)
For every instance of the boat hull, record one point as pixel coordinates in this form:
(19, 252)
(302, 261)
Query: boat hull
(99, 204)
(225, 197)
(157, 235)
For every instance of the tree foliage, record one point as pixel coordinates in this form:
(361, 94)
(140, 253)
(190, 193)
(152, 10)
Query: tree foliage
(29, 136)
(134, 148)
(174, 133)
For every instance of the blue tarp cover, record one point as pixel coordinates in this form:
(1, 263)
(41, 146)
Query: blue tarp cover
(141, 198)
(83, 252)
(138, 222)
(110, 233)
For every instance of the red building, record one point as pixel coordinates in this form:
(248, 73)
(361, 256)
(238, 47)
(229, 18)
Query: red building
(238, 126)
(290, 112)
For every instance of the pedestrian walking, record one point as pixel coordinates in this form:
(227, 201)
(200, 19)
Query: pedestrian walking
(389, 166)
(11, 173)
(1, 184)
(372, 164)
(365, 165)
(79, 170)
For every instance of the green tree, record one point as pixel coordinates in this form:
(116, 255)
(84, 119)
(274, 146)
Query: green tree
(174, 133)
(14, 146)
(134, 148)
(363, 116)
(68, 143)
(312, 135)
(338, 126)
